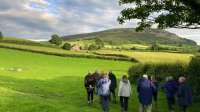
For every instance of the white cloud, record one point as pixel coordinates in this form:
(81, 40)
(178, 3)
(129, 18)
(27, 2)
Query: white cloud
(40, 2)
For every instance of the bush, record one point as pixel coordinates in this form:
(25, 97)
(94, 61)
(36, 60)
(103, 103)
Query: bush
(67, 46)
(133, 48)
(161, 71)
(194, 74)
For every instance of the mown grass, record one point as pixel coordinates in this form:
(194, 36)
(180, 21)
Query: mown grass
(55, 84)
(152, 57)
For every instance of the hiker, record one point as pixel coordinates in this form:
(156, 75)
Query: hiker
(170, 88)
(89, 85)
(124, 93)
(104, 91)
(145, 90)
(96, 78)
(155, 92)
(184, 95)
(113, 85)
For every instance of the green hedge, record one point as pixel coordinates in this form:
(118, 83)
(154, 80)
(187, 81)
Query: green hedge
(26, 42)
(160, 71)
(194, 74)
(74, 55)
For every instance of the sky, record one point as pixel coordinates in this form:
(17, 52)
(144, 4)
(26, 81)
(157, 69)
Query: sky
(39, 19)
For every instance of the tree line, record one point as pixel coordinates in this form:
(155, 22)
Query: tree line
(56, 40)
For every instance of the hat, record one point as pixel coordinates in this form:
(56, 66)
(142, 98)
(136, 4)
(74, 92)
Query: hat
(145, 76)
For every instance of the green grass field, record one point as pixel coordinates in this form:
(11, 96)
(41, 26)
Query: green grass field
(55, 84)
(152, 57)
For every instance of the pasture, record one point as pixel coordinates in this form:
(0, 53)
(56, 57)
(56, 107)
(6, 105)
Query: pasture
(152, 57)
(55, 84)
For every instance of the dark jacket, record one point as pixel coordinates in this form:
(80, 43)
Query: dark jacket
(96, 77)
(113, 79)
(89, 80)
(170, 88)
(184, 94)
(145, 90)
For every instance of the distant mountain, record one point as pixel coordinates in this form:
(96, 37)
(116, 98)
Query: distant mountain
(129, 35)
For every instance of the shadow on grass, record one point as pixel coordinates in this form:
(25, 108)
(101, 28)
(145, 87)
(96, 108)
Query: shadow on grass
(58, 94)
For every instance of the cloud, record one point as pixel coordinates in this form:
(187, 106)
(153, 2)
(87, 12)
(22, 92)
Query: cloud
(40, 2)
(39, 19)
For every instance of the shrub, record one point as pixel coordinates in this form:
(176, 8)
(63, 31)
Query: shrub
(133, 48)
(194, 74)
(67, 46)
(161, 71)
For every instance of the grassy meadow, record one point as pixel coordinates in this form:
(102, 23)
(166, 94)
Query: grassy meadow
(151, 57)
(55, 84)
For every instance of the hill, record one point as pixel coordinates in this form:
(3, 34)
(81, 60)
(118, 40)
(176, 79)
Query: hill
(14, 40)
(129, 35)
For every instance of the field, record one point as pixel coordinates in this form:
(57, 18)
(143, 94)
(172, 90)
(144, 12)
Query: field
(152, 57)
(55, 84)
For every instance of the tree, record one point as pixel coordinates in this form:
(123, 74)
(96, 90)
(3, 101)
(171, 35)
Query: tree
(99, 43)
(194, 74)
(1, 35)
(199, 50)
(155, 47)
(67, 46)
(164, 13)
(92, 47)
(55, 39)
(180, 45)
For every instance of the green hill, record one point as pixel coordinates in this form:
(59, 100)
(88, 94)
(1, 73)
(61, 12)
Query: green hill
(20, 41)
(129, 36)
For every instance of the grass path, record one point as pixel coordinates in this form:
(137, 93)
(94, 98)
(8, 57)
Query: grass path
(55, 84)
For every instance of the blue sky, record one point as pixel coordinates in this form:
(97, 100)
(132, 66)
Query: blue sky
(39, 19)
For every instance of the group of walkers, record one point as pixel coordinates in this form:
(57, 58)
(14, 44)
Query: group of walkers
(104, 85)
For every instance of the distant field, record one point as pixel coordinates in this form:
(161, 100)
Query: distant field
(41, 48)
(154, 57)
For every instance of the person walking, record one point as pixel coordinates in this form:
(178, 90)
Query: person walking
(184, 95)
(89, 85)
(113, 85)
(124, 93)
(145, 90)
(170, 88)
(96, 78)
(104, 91)
(155, 92)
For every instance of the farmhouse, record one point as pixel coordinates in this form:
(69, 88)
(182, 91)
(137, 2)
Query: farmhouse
(75, 47)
